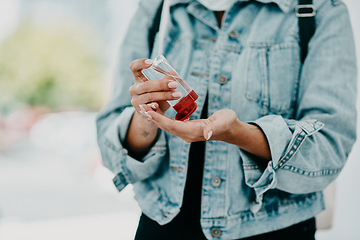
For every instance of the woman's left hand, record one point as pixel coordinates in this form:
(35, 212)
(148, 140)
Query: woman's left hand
(223, 125)
(219, 126)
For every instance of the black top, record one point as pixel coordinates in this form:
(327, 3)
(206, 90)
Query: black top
(186, 225)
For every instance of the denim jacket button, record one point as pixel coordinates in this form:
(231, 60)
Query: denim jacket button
(233, 34)
(222, 79)
(215, 232)
(216, 181)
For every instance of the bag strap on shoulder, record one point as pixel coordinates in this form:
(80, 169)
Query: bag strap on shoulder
(306, 12)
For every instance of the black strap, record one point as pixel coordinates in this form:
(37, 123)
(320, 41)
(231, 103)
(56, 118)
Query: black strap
(306, 15)
(155, 27)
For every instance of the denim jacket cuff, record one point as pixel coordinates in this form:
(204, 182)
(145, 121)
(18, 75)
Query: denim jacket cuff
(129, 170)
(284, 138)
(277, 134)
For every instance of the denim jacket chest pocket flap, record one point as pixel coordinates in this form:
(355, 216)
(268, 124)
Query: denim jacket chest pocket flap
(272, 74)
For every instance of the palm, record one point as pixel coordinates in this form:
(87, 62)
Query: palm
(195, 130)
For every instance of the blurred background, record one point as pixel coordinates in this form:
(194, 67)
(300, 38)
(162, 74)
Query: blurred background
(56, 62)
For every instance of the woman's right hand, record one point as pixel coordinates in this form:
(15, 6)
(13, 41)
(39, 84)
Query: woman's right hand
(142, 132)
(153, 93)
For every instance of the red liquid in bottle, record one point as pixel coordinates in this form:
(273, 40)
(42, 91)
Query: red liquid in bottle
(186, 106)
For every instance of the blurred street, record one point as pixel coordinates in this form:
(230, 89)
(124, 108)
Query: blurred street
(53, 182)
(53, 186)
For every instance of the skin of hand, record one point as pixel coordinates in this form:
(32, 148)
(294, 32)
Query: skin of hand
(223, 125)
(154, 93)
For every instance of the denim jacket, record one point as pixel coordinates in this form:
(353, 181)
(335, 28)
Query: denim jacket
(252, 66)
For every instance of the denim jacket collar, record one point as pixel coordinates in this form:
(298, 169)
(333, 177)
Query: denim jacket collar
(285, 5)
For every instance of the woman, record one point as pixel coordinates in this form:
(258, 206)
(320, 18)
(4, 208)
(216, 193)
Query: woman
(270, 131)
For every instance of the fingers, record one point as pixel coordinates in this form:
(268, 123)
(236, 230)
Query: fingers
(159, 96)
(138, 65)
(157, 90)
(156, 85)
(189, 131)
(162, 121)
(155, 97)
(144, 112)
(154, 106)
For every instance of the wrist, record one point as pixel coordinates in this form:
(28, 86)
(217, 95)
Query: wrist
(140, 136)
(144, 123)
(235, 133)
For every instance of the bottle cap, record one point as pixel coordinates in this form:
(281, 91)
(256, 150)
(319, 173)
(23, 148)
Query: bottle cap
(186, 112)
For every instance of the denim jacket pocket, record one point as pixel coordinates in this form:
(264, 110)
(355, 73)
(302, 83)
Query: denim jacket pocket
(272, 76)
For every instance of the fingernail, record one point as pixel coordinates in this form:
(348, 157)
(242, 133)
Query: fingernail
(209, 135)
(149, 61)
(176, 94)
(153, 106)
(148, 116)
(173, 84)
(142, 108)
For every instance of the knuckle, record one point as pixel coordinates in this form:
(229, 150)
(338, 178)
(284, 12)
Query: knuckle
(132, 65)
(168, 95)
(150, 98)
(131, 90)
(163, 85)
(207, 122)
(144, 87)
(141, 99)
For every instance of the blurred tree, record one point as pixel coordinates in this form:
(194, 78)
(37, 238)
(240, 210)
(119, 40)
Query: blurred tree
(55, 66)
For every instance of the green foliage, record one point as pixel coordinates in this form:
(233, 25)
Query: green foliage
(53, 66)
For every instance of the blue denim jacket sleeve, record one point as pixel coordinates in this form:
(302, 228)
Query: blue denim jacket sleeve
(114, 119)
(309, 151)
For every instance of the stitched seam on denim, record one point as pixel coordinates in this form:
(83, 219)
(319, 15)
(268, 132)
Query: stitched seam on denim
(120, 181)
(297, 76)
(295, 150)
(277, 166)
(325, 10)
(126, 175)
(325, 172)
(264, 93)
(199, 74)
(158, 148)
(251, 166)
(292, 150)
(316, 125)
(336, 2)
(247, 215)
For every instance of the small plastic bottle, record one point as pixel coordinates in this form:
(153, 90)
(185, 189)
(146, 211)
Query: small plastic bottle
(186, 105)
